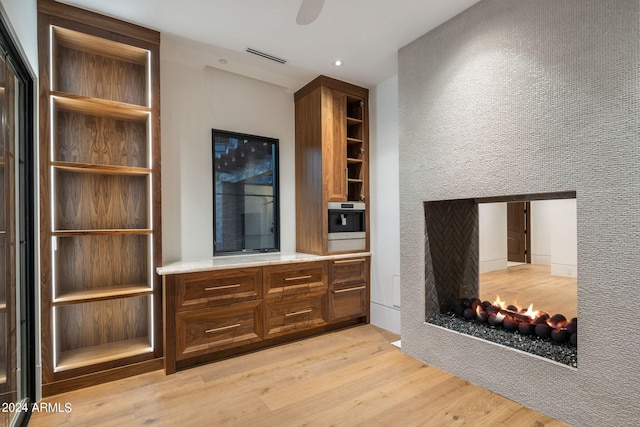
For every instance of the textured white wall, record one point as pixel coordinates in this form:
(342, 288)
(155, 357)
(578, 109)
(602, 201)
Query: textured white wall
(517, 97)
(196, 99)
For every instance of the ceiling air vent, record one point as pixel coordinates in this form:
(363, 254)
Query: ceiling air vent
(267, 56)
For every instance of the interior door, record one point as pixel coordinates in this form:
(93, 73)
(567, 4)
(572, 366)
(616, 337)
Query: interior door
(518, 245)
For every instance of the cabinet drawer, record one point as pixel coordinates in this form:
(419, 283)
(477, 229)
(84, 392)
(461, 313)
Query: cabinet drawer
(208, 330)
(300, 280)
(348, 302)
(216, 288)
(348, 271)
(293, 316)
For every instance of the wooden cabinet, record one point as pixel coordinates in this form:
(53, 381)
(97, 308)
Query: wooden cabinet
(294, 281)
(204, 331)
(100, 197)
(198, 290)
(294, 297)
(332, 157)
(213, 314)
(349, 288)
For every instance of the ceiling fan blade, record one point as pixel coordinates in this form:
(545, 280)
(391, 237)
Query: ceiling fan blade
(309, 11)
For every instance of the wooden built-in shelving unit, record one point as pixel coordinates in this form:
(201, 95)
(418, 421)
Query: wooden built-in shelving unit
(100, 197)
(332, 156)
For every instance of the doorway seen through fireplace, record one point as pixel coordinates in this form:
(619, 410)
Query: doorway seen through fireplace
(544, 272)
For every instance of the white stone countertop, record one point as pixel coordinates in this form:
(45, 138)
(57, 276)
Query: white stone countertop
(253, 260)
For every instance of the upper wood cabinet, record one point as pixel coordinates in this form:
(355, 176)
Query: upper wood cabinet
(332, 156)
(99, 197)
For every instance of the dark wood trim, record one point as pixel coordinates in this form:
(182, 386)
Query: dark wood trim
(169, 313)
(95, 368)
(527, 197)
(75, 383)
(102, 22)
(331, 83)
(45, 201)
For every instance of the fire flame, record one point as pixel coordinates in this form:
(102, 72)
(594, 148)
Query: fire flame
(530, 313)
(499, 303)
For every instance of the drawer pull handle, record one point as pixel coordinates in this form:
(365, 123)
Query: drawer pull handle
(297, 278)
(348, 261)
(357, 288)
(215, 288)
(298, 312)
(223, 328)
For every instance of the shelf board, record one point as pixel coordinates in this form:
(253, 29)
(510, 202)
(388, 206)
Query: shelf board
(3, 307)
(354, 141)
(99, 46)
(355, 181)
(100, 107)
(354, 161)
(3, 373)
(104, 232)
(100, 169)
(102, 353)
(99, 294)
(353, 121)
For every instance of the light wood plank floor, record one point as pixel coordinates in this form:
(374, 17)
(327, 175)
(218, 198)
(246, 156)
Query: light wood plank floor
(350, 377)
(526, 284)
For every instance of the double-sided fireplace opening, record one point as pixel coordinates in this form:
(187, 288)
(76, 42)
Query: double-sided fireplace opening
(504, 269)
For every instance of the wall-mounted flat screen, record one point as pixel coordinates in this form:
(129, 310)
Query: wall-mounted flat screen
(245, 193)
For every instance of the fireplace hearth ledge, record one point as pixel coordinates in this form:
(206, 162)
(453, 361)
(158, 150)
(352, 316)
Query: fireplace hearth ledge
(522, 352)
(503, 370)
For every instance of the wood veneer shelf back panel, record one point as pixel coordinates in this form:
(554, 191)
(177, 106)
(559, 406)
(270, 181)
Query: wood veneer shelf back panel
(94, 67)
(98, 323)
(90, 201)
(91, 263)
(101, 140)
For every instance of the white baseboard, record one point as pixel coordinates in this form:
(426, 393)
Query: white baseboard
(540, 259)
(564, 270)
(492, 265)
(385, 317)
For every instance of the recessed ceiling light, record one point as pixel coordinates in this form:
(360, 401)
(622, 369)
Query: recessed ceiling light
(337, 62)
(223, 61)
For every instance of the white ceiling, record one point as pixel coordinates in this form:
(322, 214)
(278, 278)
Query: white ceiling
(364, 34)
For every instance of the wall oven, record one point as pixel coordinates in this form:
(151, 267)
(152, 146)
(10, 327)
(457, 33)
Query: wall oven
(347, 222)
